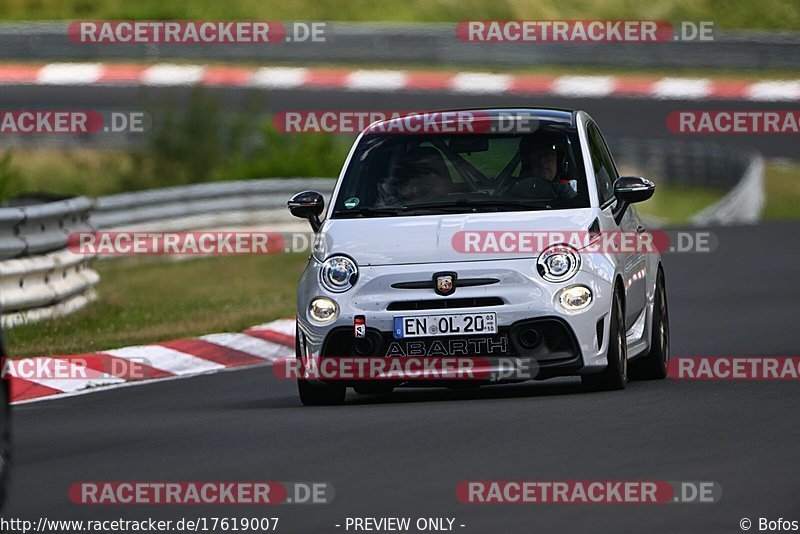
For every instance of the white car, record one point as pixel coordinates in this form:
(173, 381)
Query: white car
(425, 251)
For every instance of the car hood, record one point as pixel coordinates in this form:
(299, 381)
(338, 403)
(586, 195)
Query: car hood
(429, 238)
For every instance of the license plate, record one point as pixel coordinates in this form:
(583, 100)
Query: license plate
(457, 324)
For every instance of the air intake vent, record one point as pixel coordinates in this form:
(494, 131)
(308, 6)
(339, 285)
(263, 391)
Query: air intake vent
(430, 284)
(444, 304)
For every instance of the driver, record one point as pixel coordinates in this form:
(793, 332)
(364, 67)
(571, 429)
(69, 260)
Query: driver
(420, 174)
(543, 169)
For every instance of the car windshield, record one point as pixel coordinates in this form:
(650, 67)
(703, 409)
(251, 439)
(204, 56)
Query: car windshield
(419, 174)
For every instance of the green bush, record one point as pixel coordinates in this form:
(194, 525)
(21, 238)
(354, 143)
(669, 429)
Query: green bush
(9, 176)
(202, 143)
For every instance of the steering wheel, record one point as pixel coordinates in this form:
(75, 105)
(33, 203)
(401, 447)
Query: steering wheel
(543, 189)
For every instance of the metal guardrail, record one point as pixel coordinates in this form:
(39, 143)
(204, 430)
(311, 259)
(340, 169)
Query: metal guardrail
(422, 43)
(42, 227)
(201, 200)
(743, 204)
(38, 277)
(684, 162)
(44, 286)
(740, 172)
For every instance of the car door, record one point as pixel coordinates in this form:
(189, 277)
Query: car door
(633, 262)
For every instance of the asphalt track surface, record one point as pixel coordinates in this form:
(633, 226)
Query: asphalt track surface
(403, 455)
(618, 116)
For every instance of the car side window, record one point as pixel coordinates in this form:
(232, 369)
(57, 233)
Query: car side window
(604, 170)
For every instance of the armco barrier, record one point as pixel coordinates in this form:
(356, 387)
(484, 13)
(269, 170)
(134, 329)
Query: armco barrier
(37, 228)
(11, 243)
(46, 226)
(743, 204)
(698, 164)
(202, 200)
(39, 278)
(44, 286)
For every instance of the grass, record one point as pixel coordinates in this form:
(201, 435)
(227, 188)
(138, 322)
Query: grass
(676, 204)
(66, 172)
(782, 184)
(766, 14)
(145, 300)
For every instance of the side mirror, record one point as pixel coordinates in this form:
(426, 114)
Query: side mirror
(630, 190)
(308, 205)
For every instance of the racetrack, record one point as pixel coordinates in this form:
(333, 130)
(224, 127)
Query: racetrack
(404, 455)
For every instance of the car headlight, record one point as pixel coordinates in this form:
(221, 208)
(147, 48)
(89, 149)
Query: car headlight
(323, 310)
(338, 274)
(575, 298)
(558, 263)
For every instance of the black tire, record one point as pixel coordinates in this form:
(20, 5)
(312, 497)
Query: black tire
(615, 375)
(316, 394)
(373, 388)
(655, 364)
(5, 430)
(5, 458)
(320, 394)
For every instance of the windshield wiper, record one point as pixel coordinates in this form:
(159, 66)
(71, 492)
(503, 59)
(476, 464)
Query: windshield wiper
(459, 205)
(479, 203)
(367, 212)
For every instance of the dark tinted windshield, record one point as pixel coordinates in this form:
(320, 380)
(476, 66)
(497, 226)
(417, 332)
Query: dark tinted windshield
(418, 174)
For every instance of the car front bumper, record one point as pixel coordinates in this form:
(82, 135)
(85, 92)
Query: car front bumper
(570, 342)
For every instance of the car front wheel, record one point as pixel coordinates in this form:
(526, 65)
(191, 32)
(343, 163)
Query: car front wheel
(315, 394)
(615, 375)
(320, 394)
(654, 365)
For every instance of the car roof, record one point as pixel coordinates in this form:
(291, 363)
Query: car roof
(551, 116)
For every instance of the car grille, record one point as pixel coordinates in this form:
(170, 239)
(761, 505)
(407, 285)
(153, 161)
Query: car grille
(431, 284)
(444, 304)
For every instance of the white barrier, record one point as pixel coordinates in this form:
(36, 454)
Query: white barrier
(44, 286)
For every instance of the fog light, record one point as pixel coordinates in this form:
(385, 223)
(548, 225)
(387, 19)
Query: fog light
(575, 298)
(323, 310)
